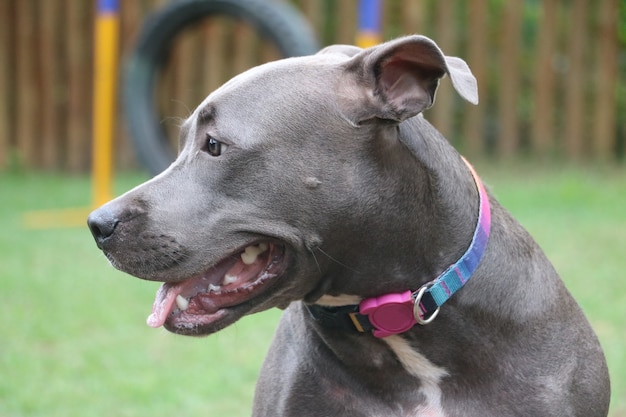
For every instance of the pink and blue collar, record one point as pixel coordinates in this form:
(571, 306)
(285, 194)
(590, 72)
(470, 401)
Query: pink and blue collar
(396, 313)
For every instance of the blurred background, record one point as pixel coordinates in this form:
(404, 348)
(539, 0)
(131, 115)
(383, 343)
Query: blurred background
(548, 137)
(550, 73)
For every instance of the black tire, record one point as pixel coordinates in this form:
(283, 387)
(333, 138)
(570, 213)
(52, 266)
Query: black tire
(278, 22)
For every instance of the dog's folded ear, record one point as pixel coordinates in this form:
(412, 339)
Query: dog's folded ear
(399, 79)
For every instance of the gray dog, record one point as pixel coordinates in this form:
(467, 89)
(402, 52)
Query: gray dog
(315, 185)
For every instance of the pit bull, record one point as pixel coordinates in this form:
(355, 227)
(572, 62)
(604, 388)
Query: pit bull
(315, 185)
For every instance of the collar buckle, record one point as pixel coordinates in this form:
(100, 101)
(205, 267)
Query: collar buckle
(390, 313)
(418, 312)
(396, 313)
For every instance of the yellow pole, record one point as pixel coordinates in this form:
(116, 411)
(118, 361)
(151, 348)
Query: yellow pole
(104, 89)
(104, 94)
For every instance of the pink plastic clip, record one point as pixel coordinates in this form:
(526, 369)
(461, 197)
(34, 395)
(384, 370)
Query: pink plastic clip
(390, 313)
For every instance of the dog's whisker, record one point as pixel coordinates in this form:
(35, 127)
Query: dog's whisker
(184, 105)
(173, 120)
(319, 268)
(337, 261)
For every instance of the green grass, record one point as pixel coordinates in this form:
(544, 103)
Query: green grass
(75, 343)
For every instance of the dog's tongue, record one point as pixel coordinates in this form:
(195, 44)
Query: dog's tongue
(227, 278)
(163, 303)
(207, 301)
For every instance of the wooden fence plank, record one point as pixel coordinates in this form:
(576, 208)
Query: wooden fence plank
(245, 40)
(575, 83)
(27, 84)
(269, 52)
(413, 16)
(164, 97)
(78, 40)
(313, 11)
(387, 16)
(214, 36)
(347, 21)
(605, 110)
(441, 113)
(131, 15)
(181, 100)
(508, 138)
(49, 49)
(474, 116)
(194, 86)
(6, 82)
(542, 138)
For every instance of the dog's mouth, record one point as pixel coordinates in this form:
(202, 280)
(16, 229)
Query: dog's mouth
(210, 301)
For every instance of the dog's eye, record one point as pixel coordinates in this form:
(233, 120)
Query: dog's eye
(213, 147)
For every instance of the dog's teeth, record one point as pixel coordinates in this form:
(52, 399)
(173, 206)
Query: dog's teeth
(229, 279)
(248, 258)
(251, 252)
(182, 302)
(213, 287)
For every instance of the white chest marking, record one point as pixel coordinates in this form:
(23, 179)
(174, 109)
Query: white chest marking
(413, 362)
(417, 365)
(338, 301)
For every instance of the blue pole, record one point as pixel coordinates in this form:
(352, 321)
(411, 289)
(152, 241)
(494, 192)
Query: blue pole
(108, 6)
(368, 23)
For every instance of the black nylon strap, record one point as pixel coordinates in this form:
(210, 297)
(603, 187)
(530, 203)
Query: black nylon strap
(428, 304)
(341, 318)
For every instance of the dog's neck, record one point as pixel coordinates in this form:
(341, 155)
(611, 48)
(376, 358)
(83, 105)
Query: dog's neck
(425, 204)
(396, 313)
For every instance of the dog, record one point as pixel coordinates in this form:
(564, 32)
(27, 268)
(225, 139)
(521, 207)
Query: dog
(315, 185)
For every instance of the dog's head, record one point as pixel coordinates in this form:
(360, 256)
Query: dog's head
(285, 187)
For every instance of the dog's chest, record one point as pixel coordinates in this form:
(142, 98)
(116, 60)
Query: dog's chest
(421, 368)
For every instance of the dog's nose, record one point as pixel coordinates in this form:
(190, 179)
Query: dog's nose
(102, 224)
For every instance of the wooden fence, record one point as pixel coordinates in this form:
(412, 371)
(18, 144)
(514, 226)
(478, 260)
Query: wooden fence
(549, 73)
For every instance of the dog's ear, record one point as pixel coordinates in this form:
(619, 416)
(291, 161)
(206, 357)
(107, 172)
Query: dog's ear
(399, 79)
